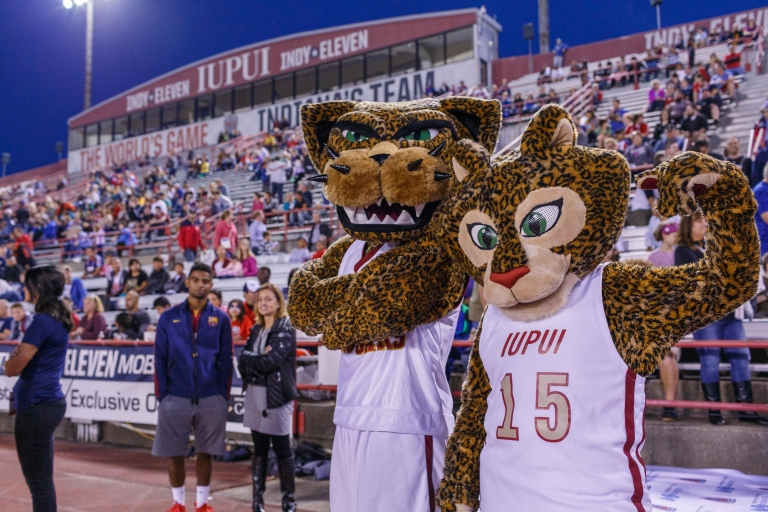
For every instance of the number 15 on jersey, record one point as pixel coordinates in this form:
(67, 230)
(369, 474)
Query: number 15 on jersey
(546, 398)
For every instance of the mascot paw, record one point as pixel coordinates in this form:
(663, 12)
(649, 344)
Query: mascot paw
(460, 507)
(685, 181)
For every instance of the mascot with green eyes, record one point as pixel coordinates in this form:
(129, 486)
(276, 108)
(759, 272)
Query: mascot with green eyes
(387, 295)
(552, 409)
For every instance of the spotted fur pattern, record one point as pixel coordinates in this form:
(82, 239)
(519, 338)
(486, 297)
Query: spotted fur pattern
(648, 309)
(416, 282)
(462, 457)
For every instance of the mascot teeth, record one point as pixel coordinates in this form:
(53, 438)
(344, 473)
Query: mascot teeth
(405, 218)
(383, 213)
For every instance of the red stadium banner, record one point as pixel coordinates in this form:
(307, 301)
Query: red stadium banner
(274, 57)
(511, 68)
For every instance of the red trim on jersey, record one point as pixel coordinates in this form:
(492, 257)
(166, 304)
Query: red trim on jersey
(366, 257)
(430, 452)
(629, 426)
(637, 451)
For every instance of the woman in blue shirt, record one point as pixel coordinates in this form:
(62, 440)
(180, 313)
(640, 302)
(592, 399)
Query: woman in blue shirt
(37, 397)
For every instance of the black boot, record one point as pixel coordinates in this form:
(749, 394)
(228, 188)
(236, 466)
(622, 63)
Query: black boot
(743, 391)
(259, 471)
(287, 483)
(712, 394)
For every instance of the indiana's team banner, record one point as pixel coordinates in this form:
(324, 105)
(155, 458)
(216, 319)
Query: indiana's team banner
(403, 87)
(115, 383)
(706, 490)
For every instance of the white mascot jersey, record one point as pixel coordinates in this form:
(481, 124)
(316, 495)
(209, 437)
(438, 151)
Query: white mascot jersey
(564, 426)
(396, 385)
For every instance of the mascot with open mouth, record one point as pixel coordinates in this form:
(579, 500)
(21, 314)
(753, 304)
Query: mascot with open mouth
(552, 409)
(387, 294)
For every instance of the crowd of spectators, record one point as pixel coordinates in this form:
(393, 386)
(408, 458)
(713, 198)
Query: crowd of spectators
(691, 78)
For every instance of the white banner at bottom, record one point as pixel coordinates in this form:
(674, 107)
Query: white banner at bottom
(706, 490)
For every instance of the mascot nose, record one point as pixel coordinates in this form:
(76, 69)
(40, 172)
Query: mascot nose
(508, 279)
(379, 159)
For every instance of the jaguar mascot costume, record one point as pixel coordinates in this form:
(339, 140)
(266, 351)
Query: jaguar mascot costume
(387, 294)
(552, 409)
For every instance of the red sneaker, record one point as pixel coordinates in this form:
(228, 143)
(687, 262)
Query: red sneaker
(205, 508)
(177, 507)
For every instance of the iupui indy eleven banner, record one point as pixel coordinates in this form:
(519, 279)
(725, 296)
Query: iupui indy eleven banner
(404, 87)
(116, 383)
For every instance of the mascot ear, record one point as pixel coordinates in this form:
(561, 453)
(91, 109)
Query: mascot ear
(550, 127)
(478, 120)
(317, 119)
(469, 158)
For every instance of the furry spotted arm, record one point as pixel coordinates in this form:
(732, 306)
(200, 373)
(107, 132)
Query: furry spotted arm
(650, 309)
(316, 289)
(460, 486)
(389, 299)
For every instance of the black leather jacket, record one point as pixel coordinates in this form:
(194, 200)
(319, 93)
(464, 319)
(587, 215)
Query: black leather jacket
(275, 370)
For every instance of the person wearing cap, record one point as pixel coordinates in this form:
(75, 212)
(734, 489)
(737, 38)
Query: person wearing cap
(669, 372)
(193, 374)
(251, 295)
(189, 237)
(664, 256)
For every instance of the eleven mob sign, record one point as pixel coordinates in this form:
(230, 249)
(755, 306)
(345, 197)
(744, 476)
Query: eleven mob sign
(115, 383)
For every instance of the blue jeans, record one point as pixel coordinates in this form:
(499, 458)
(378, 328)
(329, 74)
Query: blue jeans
(726, 329)
(189, 255)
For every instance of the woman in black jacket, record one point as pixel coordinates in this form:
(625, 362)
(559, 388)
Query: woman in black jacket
(267, 366)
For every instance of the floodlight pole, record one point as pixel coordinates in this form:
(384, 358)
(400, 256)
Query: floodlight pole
(658, 16)
(6, 159)
(88, 52)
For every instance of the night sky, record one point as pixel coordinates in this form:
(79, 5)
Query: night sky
(42, 44)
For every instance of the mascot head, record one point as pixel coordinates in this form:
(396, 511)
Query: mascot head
(535, 222)
(388, 166)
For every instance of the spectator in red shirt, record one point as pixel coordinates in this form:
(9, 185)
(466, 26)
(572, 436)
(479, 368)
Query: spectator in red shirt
(638, 125)
(22, 248)
(189, 237)
(225, 233)
(319, 250)
(733, 61)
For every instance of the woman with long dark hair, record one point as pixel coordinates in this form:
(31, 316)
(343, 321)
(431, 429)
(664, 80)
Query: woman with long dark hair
(37, 396)
(267, 365)
(690, 249)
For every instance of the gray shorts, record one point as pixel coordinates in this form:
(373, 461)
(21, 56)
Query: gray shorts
(177, 417)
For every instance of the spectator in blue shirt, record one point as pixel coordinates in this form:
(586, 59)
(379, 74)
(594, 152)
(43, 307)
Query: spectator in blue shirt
(617, 116)
(724, 80)
(38, 361)
(761, 217)
(559, 51)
